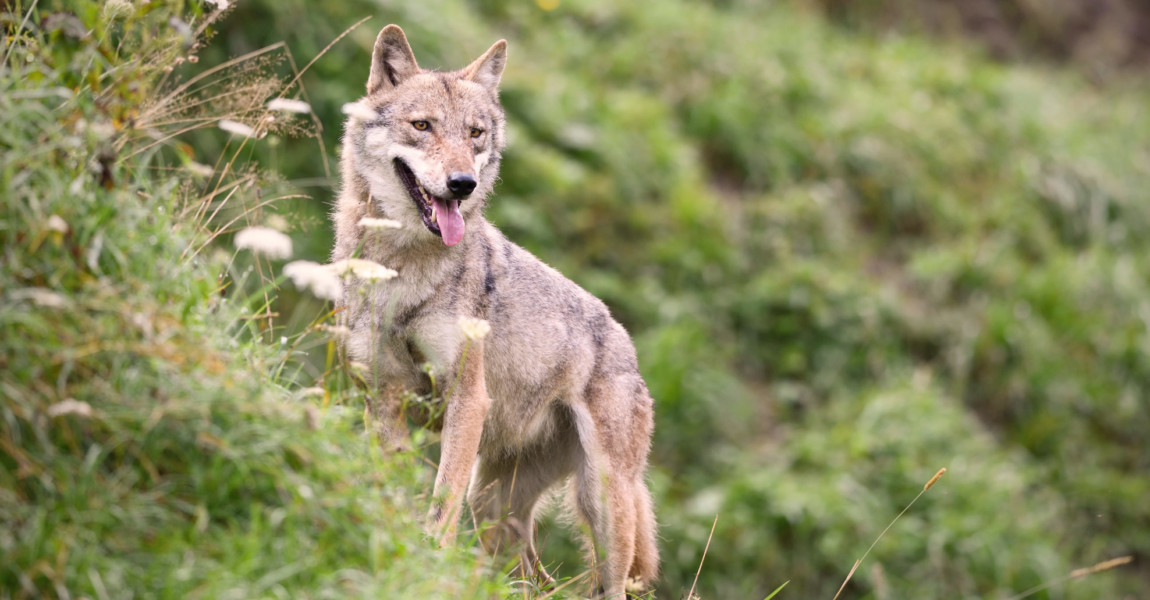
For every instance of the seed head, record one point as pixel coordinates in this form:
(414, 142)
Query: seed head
(934, 479)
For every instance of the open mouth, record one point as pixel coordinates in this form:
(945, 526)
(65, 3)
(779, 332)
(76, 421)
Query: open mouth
(440, 216)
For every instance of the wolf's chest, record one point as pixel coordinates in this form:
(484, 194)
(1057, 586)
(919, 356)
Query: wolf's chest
(420, 354)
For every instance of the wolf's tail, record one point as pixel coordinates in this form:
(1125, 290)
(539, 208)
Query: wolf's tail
(645, 567)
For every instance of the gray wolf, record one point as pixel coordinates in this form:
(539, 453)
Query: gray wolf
(552, 395)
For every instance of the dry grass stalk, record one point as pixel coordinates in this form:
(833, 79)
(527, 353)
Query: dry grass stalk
(1105, 565)
(15, 35)
(566, 584)
(858, 562)
(691, 594)
(235, 93)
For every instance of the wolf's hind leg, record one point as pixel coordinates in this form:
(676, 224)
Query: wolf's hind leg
(614, 428)
(503, 498)
(645, 567)
(607, 504)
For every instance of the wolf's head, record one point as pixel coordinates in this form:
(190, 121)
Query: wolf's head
(427, 144)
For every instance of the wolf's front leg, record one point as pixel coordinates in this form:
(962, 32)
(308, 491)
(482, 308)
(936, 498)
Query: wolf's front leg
(462, 428)
(384, 415)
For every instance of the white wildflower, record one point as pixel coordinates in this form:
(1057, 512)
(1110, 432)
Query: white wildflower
(336, 331)
(57, 224)
(102, 130)
(320, 279)
(289, 105)
(371, 224)
(117, 9)
(264, 240)
(278, 222)
(200, 169)
(40, 297)
(220, 4)
(237, 128)
(363, 269)
(145, 324)
(474, 329)
(70, 406)
(356, 110)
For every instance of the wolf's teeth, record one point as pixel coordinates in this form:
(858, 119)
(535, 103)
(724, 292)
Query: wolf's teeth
(434, 215)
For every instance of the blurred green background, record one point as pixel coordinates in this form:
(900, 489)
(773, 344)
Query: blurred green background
(854, 242)
(849, 253)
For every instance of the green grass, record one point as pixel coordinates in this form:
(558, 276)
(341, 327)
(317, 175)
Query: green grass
(846, 261)
(187, 472)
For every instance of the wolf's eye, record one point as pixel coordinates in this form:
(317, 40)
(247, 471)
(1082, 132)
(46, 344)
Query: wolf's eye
(421, 125)
(476, 132)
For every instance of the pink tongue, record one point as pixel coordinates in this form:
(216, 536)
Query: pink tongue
(450, 221)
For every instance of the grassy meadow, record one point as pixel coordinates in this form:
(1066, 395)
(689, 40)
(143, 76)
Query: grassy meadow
(848, 259)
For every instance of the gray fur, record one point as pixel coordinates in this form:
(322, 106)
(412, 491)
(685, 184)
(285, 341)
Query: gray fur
(553, 393)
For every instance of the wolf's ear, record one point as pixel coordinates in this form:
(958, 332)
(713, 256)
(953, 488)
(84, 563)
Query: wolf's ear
(487, 69)
(392, 61)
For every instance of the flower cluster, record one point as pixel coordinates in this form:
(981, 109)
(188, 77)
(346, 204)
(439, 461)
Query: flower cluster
(57, 223)
(324, 280)
(363, 269)
(39, 296)
(335, 331)
(70, 406)
(237, 128)
(474, 329)
(289, 105)
(372, 224)
(266, 241)
(320, 279)
(358, 111)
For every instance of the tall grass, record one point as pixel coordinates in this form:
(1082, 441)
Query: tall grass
(146, 449)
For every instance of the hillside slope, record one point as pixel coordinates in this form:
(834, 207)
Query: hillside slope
(846, 262)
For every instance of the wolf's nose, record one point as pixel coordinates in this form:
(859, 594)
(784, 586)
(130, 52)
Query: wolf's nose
(461, 184)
